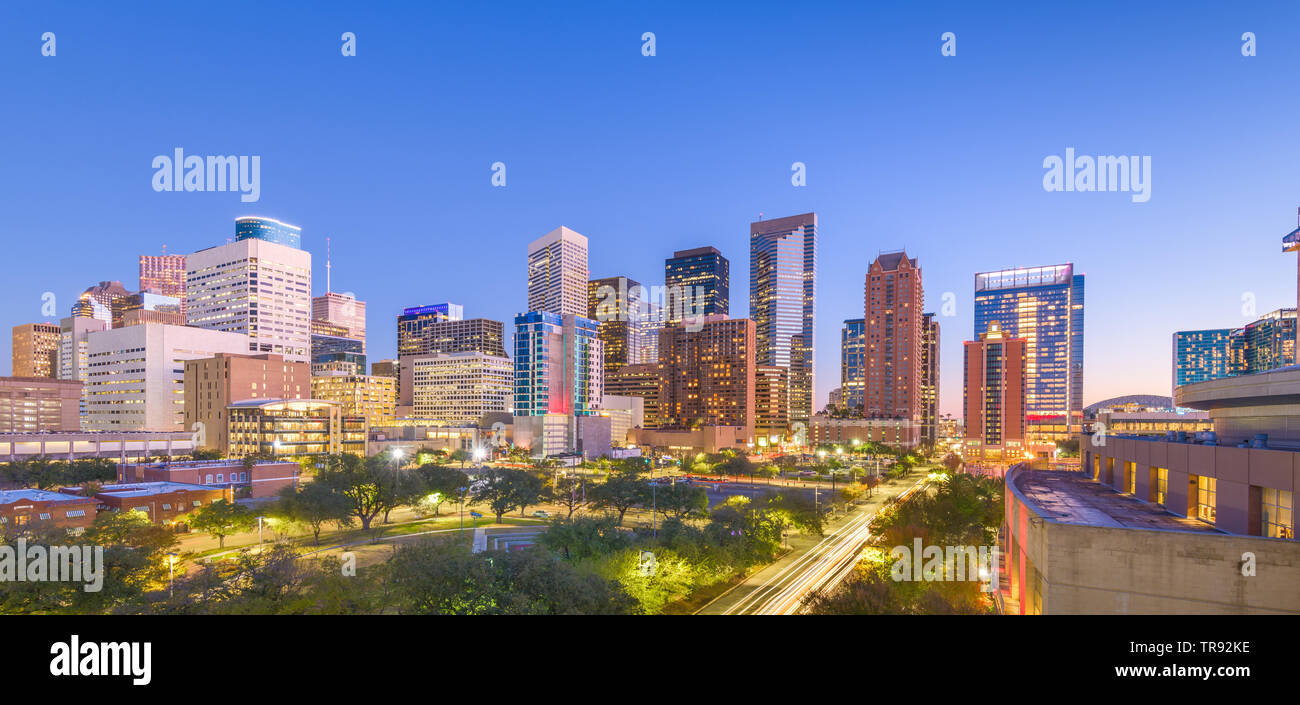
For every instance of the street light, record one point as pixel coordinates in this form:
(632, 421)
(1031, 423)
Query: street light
(171, 574)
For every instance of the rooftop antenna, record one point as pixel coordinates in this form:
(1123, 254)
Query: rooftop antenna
(327, 266)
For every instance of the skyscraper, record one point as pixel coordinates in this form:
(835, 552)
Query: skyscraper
(703, 272)
(97, 301)
(343, 310)
(459, 388)
(707, 376)
(36, 350)
(616, 304)
(268, 230)
(74, 352)
(853, 355)
(557, 273)
(254, 287)
(929, 378)
(163, 274)
(771, 400)
(782, 296)
(1264, 344)
(993, 395)
(1043, 306)
(441, 329)
(895, 299)
(558, 385)
(1202, 355)
(558, 368)
(136, 377)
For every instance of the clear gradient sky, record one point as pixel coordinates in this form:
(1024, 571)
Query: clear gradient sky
(389, 152)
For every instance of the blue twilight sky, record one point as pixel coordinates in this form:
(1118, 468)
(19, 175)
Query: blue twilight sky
(389, 152)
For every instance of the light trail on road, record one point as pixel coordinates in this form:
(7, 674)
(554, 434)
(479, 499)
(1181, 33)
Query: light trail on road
(821, 568)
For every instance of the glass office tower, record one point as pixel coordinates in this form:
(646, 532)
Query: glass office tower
(1202, 355)
(782, 297)
(268, 230)
(1044, 307)
(853, 353)
(703, 270)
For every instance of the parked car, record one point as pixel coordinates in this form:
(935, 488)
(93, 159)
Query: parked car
(542, 514)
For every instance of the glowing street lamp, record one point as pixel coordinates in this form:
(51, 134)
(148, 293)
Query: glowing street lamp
(171, 574)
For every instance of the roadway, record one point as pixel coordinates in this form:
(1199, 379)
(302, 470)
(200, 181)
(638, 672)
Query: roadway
(813, 562)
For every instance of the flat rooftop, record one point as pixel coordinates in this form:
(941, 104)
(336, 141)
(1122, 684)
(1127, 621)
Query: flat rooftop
(34, 495)
(148, 489)
(1072, 498)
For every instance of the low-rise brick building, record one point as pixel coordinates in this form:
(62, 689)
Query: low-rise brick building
(262, 479)
(27, 507)
(162, 502)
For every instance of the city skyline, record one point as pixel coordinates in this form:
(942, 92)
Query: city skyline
(873, 184)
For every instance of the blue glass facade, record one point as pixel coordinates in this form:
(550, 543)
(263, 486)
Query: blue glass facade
(268, 230)
(1262, 345)
(1044, 307)
(558, 365)
(782, 301)
(853, 360)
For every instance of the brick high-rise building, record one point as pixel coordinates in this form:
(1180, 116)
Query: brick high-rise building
(214, 383)
(894, 334)
(637, 381)
(616, 304)
(993, 395)
(771, 400)
(36, 350)
(707, 377)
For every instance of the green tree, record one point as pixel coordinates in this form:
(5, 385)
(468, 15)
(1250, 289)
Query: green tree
(221, 519)
(679, 500)
(443, 577)
(366, 483)
(621, 491)
(507, 489)
(585, 538)
(443, 483)
(314, 505)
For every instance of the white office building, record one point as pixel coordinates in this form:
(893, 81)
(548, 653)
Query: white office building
(255, 288)
(557, 273)
(135, 376)
(74, 333)
(458, 388)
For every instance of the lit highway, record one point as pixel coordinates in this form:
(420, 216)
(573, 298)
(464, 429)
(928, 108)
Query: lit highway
(781, 588)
